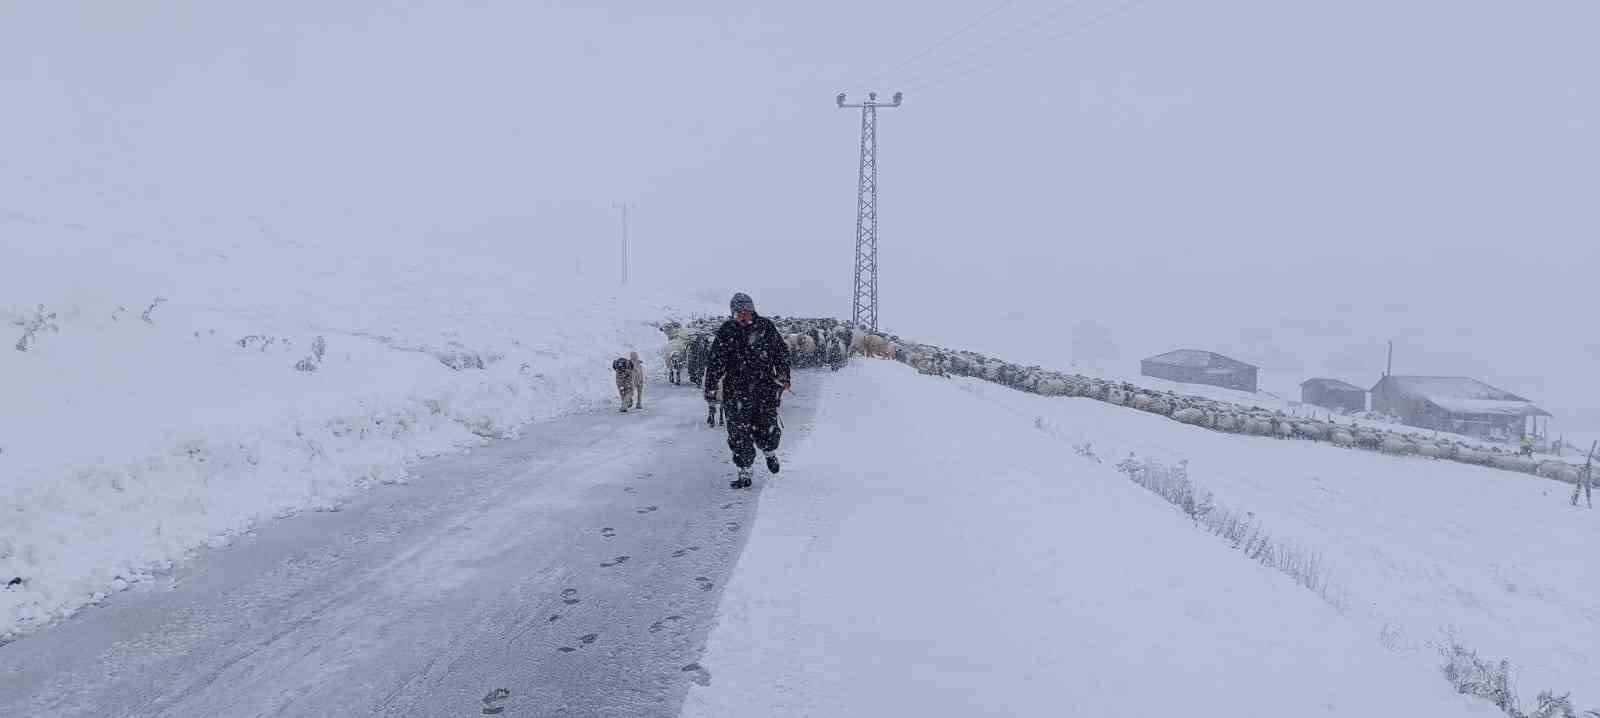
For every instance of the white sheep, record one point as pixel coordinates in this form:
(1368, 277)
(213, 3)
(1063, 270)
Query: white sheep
(675, 355)
(1430, 450)
(1189, 415)
(1313, 430)
(1340, 437)
(1392, 444)
(1512, 462)
(1560, 471)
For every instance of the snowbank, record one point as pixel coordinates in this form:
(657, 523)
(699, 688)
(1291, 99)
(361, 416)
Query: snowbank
(929, 553)
(1418, 546)
(266, 381)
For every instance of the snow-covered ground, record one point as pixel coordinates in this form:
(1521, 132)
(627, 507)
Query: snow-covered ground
(1418, 546)
(930, 551)
(127, 444)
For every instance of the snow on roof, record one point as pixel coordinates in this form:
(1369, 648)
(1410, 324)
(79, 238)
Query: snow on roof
(1460, 387)
(1488, 406)
(1463, 395)
(1199, 359)
(1332, 384)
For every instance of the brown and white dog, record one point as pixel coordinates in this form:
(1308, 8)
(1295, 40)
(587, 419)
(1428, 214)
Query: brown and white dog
(630, 381)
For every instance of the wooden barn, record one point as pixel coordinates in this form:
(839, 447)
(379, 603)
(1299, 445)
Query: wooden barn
(1194, 366)
(1458, 405)
(1333, 394)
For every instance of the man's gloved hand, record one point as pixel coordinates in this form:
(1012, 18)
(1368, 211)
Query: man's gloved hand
(711, 395)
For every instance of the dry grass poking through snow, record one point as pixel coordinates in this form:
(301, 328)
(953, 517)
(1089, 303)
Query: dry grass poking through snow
(1492, 682)
(1240, 529)
(1468, 673)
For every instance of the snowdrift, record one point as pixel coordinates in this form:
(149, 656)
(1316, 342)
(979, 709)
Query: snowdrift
(161, 397)
(1418, 548)
(929, 553)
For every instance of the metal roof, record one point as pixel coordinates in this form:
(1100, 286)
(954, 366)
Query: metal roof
(1462, 395)
(1327, 383)
(1199, 359)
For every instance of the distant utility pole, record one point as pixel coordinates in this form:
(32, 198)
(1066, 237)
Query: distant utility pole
(864, 308)
(624, 207)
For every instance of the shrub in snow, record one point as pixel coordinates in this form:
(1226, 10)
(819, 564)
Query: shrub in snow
(319, 348)
(1492, 682)
(1241, 530)
(259, 341)
(146, 315)
(32, 326)
(460, 359)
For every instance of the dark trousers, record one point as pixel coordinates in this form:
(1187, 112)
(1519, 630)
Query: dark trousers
(751, 423)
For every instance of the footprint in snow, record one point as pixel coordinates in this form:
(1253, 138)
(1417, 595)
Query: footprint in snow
(608, 532)
(704, 583)
(618, 561)
(554, 618)
(729, 505)
(569, 596)
(698, 674)
(588, 638)
(680, 553)
(733, 525)
(661, 625)
(647, 509)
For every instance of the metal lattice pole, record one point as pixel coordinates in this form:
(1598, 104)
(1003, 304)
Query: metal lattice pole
(864, 305)
(624, 207)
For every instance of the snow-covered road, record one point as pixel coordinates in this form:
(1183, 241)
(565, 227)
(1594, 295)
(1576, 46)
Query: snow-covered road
(577, 566)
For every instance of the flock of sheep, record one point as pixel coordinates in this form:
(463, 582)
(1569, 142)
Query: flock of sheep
(814, 342)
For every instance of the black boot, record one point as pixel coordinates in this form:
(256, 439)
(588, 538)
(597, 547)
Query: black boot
(744, 479)
(772, 463)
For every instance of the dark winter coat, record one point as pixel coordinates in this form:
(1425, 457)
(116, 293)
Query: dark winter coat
(753, 358)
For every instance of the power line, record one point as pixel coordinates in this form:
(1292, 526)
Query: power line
(1087, 24)
(945, 40)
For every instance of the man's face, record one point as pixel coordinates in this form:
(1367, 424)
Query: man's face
(744, 315)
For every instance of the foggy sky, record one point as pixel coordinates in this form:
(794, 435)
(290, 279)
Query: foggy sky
(1290, 182)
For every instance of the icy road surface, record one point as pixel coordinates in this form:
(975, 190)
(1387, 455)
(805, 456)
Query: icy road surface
(576, 567)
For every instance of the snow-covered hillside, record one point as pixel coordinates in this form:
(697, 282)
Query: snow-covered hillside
(173, 393)
(933, 550)
(1419, 547)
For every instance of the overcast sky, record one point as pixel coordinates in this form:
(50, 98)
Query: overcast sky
(1293, 182)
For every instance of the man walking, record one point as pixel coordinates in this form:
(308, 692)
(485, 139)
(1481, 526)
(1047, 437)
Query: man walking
(751, 363)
